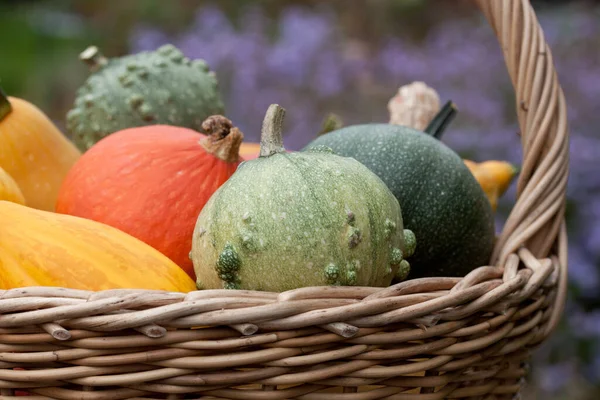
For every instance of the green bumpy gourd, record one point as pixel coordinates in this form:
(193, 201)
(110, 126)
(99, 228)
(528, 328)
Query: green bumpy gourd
(146, 88)
(289, 220)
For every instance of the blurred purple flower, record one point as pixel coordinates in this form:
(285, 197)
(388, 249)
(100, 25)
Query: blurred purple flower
(394, 56)
(585, 324)
(210, 22)
(555, 376)
(145, 38)
(583, 272)
(593, 369)
(328, 76)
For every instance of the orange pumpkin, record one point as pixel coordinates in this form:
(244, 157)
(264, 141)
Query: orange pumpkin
(9, 190)
(33, 151)
(41, 248)
(249, 151)
(153, 181)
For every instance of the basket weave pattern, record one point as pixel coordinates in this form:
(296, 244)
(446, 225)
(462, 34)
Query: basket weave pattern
(423, 339)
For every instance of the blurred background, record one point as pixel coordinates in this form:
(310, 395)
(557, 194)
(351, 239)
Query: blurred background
(349, 57)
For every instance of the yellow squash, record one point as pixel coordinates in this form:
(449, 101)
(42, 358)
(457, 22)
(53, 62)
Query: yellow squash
(494, 177)
(41, 248)
(33, 151)
(9, 190)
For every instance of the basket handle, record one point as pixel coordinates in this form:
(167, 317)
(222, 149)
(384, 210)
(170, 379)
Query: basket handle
(537, 219)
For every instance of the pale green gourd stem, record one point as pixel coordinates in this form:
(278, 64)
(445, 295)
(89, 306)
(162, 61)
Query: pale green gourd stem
(271, 138)
(5, 107)
(93, 57)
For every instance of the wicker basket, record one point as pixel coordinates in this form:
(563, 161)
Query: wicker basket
(423, 339)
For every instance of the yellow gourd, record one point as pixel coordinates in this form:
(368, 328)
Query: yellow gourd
(493, 176)
(9, 190)
(41, 248)
(33, 151)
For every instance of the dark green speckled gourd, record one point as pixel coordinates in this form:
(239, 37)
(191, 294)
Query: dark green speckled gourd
(289, 220)
(441, 201)
(147, 88)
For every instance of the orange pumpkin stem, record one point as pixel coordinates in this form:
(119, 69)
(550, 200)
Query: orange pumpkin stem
(5, 107)
(223, 140)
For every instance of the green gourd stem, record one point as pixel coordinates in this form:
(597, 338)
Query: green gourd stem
(93, 57)
(5, 107)
(442, 119)
(271, 138)
(331, 123)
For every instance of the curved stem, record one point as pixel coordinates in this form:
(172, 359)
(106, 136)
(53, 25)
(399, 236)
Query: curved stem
(217, 126)
(271, 138)
(5, 107)
(93, 57)
(440, 122)
(223, 140)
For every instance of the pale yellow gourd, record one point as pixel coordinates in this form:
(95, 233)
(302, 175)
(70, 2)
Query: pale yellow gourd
(33, 151)
(9, 190)
(41, 248)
